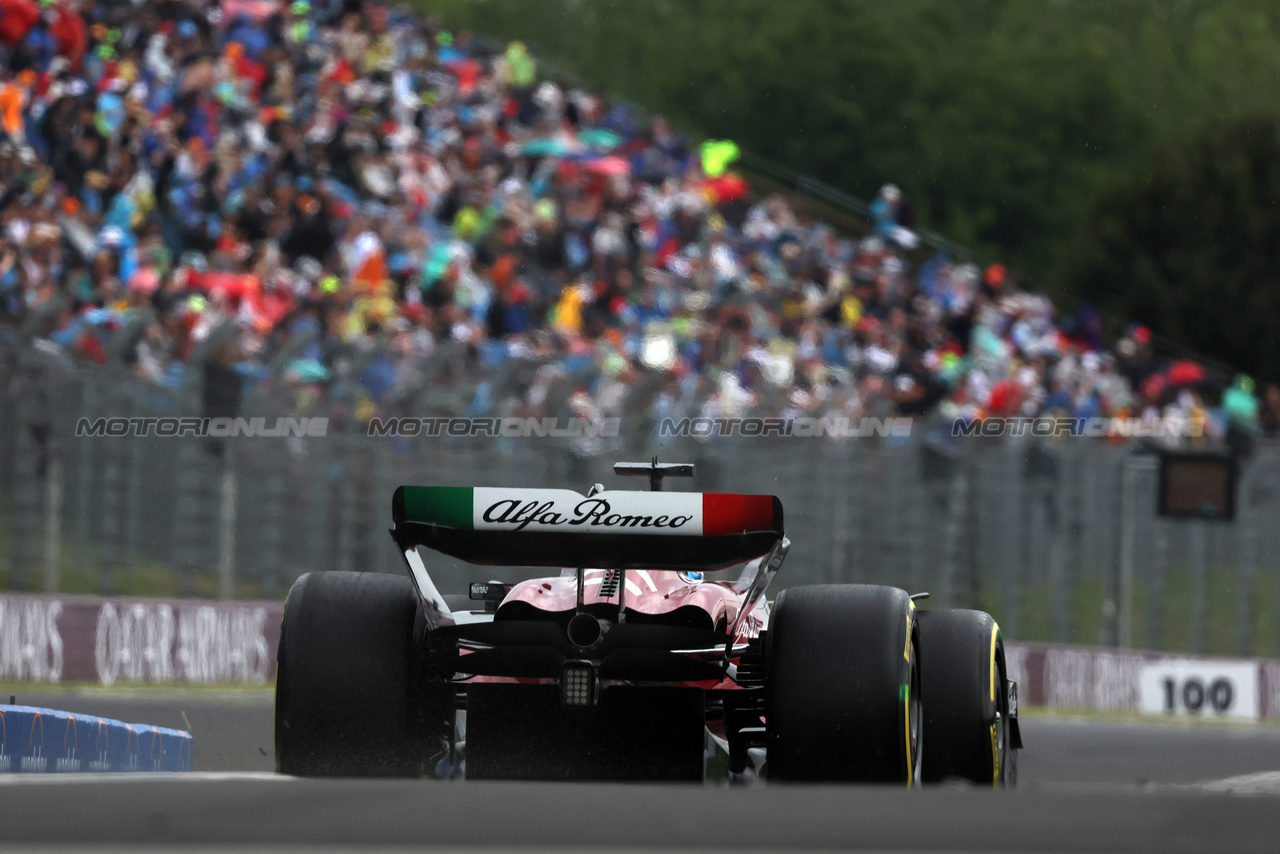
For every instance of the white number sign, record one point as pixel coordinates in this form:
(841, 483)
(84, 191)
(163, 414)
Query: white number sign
(1200, 686)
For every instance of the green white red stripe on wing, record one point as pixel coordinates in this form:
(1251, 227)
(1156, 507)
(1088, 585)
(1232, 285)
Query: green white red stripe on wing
(617, 512)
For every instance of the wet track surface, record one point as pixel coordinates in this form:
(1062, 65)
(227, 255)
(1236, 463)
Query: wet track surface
(1086, 786)
(233, 732)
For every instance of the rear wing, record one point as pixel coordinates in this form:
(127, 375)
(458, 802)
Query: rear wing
(618, 529)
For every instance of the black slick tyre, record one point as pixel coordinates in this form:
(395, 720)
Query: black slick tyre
(967, 722)
(843, 692)
(352, 695)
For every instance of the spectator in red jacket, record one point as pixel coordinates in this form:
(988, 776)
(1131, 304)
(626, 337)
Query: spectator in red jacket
(17, 17)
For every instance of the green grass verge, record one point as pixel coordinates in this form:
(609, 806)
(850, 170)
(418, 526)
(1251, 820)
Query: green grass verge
(1173, 630)
(81, 570)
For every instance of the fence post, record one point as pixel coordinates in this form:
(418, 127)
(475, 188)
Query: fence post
(376, 514)
(1108, 563)
(976, 511)
(52, 524)
(957, 503)
(227, 538)
(111, 515)
(1242, 548)
(271, 521)
(1157, 572)
(1247, 556)
(1058, 559)
(85, 559)
(8, 450)
(909, 464)
(1246, 526)
(1128, 551)
(26, 507)
(1014, 506)
(838, 563)
(317, 497)
(134, 479)
(1196, 554)
(345, 510)
(898, 528)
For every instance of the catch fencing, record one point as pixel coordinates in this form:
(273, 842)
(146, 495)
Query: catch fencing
(1057, 537)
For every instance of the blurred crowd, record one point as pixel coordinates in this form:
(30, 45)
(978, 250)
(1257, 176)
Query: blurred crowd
(297, 195)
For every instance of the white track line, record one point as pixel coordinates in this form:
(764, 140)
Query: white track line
(1261, 783)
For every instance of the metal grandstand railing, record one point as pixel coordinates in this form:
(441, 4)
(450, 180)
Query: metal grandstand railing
(808, 185)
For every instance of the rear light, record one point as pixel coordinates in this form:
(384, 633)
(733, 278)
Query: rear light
(578, 684)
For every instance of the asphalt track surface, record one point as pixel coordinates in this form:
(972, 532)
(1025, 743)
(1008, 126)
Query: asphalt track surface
(1086, 786)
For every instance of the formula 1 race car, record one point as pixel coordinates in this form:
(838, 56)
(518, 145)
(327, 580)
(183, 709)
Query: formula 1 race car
(631, 663)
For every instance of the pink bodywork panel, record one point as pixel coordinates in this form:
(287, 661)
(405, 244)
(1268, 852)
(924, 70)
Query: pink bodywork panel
(649, 591)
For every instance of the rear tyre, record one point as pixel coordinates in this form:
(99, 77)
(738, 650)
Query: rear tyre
(967, 722)
(843, 698)
(353, 698)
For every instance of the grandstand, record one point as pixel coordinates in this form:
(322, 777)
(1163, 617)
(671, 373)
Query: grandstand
(345, 208)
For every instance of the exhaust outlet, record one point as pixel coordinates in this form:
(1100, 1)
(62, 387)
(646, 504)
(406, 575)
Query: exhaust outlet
(585, 631)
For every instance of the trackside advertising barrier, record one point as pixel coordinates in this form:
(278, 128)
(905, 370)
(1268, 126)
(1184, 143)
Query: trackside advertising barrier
(161, 641)
(184, 641)
(1114, 680)
(34, 740)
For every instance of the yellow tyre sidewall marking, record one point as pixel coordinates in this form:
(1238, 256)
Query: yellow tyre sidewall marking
(906, 696)
(995, 741)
